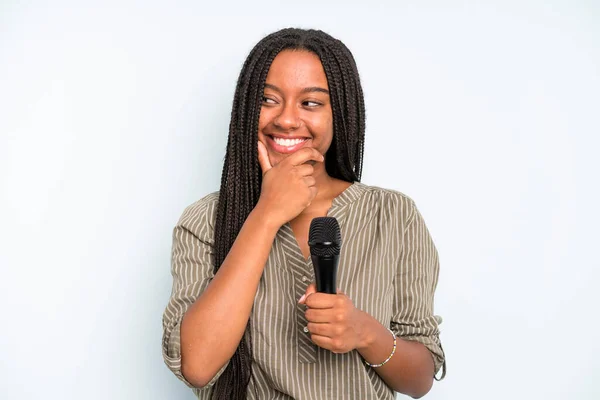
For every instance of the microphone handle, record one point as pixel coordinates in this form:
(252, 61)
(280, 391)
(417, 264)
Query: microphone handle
(325, 273)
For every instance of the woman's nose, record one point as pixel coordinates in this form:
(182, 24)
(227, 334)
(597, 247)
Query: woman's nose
(288, 118)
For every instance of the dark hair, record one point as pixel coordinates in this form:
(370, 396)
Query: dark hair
(242, 176)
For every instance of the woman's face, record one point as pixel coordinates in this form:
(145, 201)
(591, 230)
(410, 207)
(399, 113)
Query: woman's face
(296, 109)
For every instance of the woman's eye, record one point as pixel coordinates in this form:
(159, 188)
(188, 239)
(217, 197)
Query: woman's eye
(268, 100)
(309, 103)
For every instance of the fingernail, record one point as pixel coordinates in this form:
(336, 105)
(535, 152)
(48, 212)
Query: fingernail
(302, 298)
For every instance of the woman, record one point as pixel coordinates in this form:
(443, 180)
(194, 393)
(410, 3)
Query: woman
(244, 319)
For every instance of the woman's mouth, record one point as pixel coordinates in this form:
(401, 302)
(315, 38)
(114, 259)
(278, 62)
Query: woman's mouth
(286, 145)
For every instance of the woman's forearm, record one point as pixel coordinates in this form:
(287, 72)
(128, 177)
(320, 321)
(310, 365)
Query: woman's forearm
(214, 325)
(410, 370)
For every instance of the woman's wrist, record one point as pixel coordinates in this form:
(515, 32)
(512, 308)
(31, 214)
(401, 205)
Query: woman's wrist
(369, 332)
(266, 217)
(376, 343)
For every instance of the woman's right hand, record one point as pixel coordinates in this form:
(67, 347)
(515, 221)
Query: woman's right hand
(288, 187)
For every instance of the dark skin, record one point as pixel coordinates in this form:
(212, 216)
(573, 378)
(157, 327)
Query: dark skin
(295, 132)
(296, 105)
(290, 110)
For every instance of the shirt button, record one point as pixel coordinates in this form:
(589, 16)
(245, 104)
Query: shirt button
(304, 279)
(305, 329)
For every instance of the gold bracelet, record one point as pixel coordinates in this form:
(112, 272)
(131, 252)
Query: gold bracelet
(387, 359)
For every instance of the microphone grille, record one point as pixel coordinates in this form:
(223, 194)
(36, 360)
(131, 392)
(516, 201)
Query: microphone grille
(324, 237)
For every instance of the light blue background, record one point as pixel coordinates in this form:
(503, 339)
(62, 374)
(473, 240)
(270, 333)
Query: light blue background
(114, 115)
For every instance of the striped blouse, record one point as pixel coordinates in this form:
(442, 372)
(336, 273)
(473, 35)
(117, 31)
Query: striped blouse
(388, 267)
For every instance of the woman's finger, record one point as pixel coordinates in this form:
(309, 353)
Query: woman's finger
(263, 158)
(310, 181)
(322, 329)
(312, 288)
(319, 315)
(305, 169)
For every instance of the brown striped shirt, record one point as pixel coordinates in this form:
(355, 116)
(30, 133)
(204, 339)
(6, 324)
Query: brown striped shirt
(388, 267)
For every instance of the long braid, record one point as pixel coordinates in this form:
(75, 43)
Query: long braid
(242, 178)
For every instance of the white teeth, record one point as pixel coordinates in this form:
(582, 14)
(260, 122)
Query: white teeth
(288, 142)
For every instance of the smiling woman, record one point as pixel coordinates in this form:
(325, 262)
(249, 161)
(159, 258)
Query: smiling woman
(296, 110)
(244, 319)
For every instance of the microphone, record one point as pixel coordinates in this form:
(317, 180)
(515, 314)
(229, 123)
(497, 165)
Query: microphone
(325, 241)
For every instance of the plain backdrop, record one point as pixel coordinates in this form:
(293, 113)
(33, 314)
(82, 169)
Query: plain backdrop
(114, 117)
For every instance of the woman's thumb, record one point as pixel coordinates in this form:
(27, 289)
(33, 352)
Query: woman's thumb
(263, 158)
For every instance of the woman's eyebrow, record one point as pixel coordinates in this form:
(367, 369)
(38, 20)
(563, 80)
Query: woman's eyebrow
(315, 89)
(275, 88)
(305, 90)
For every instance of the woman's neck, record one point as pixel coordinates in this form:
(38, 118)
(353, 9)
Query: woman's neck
(328, 188)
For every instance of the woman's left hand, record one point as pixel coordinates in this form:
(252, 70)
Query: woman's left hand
(333, 321)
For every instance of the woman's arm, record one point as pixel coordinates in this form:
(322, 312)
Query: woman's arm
(214, 325)
(335, 324)
(410, 370)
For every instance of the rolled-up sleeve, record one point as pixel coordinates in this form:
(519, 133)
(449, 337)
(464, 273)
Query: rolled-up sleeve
(415, 283)
(192, 271)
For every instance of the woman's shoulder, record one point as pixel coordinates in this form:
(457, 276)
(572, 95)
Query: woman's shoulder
(384, 197)
(201, 211)
(389, 208)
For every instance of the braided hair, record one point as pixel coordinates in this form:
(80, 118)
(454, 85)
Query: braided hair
(241, 178)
